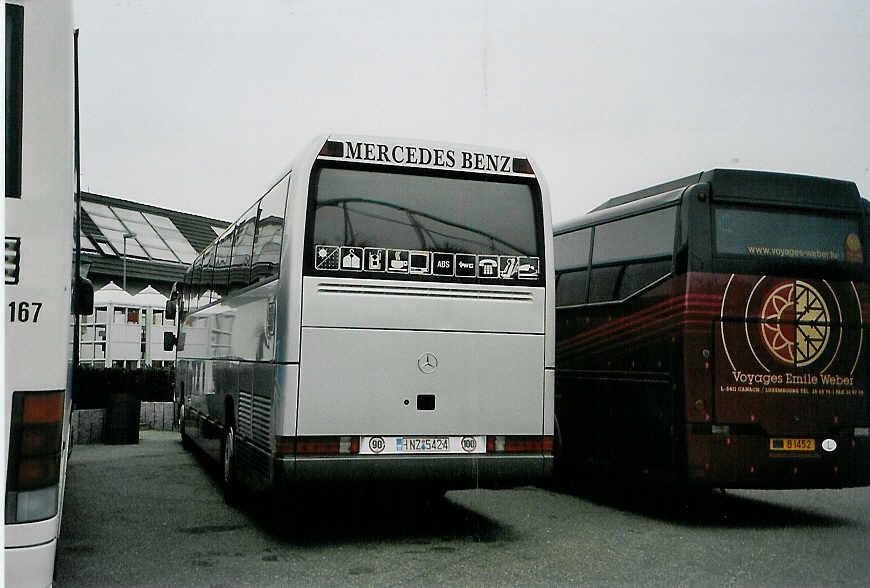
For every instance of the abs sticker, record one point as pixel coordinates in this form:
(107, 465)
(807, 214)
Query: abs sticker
(442, 264)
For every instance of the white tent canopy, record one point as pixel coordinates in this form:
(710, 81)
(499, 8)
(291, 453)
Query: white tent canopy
(112, 293)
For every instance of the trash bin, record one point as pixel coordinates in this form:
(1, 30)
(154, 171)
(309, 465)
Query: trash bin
(121, 423)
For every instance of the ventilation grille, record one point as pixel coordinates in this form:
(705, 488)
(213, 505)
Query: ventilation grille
(244, 420)
(425, 292)
(261, 421)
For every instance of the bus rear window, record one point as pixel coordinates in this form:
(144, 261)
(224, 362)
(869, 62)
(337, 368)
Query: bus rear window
(781, 235)
(385, 225)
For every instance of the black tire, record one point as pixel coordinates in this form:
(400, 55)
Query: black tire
(229, 479)
(186, 442)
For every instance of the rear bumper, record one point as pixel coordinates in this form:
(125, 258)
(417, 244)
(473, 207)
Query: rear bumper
(30, 566)
(450, 472)
(745, 461)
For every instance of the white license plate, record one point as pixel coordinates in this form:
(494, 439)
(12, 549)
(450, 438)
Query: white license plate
(416, 444)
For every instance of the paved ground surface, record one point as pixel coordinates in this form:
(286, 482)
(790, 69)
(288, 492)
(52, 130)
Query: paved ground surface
(151, 514)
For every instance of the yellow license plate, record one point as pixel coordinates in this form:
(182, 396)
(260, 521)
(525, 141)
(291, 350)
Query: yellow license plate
(780, 444)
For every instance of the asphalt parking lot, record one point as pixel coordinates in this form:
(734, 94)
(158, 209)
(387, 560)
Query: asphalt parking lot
(152, 515)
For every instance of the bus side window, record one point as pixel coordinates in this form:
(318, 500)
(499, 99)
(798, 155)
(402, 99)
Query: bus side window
(188, 288)
(243, 246)
(641, 243)
(196, 294)
(208, 276)
(222, 258)
(270, 230)
(639, 275)
(604, 283)
(571, 287)
(572, 249)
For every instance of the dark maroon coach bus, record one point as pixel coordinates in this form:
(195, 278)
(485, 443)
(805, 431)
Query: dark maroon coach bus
(713, 331)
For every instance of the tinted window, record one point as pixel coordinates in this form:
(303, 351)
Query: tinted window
(420, 221)
(787, 235)
(603, 286)
(572, 249)
(222, 258)
(639, 275)
(646, 235)
(243, 246)
(188, 286)
(270, 230)
(207, 276)
(571, 287)
(196, 291)
(14, 97)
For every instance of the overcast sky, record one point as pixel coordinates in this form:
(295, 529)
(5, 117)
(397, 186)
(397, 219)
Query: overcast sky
(197, 105)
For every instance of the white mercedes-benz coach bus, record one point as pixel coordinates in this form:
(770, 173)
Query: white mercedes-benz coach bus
(40, 225)
(382, 314)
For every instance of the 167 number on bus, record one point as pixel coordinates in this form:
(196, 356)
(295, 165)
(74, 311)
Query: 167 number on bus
(21, 311)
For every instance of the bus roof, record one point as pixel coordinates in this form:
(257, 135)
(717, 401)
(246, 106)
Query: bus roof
(732, 185)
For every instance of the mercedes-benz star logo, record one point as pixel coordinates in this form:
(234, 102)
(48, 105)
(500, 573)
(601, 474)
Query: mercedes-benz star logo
(427, 363)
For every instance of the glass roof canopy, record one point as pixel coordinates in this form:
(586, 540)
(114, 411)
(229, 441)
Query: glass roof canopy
(157, 238)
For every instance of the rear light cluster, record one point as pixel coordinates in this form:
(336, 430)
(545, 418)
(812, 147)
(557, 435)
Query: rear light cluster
(316, 445)
(34, 455)
(524, 444)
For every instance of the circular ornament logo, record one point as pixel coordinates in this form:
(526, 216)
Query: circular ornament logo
(795, 323)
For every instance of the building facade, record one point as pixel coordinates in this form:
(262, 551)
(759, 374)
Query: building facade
(133, 253)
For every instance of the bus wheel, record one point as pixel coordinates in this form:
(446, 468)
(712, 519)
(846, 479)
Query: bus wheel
(228, 451)
(185, 440)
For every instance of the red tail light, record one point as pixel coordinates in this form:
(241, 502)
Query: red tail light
(518, 444)
(35, 443)
(316, 445)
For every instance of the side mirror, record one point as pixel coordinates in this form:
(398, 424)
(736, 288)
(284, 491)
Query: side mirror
(83, 297)
(170, 309)
(174, 300)
(169, 341)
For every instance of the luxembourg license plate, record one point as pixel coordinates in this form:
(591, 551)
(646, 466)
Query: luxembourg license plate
(786, 444)
(396, 444)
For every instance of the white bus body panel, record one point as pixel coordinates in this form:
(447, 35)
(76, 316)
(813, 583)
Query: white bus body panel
(37, 354)
(361, 341)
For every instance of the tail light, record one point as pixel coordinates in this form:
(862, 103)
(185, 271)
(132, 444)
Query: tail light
(316, 445)
(35, 444)
(518, 444)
